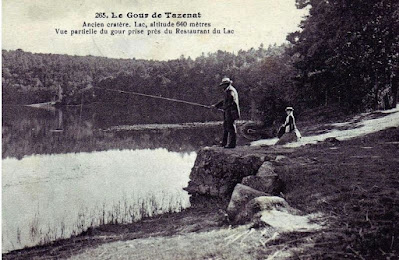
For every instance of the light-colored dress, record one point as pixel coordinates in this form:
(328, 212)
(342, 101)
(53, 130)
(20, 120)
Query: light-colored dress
(291, 134)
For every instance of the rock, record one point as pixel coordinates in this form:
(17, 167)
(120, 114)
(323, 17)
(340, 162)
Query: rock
(260, 204)
(266, 180)
(332, 140)
(213, 191)
(266, 169)
(224, 189)
(256, 130)
(280, 157)
(285, 221)
(268, 184)
(216, 171)
(275, 211)
(269, 202)
(203, 189)
(241, 195)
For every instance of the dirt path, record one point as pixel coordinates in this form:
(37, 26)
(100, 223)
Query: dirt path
(360, 125)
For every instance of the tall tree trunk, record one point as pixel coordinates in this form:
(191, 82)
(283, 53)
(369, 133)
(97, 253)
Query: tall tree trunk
(376, 88)
(326, 97)
(394, 90)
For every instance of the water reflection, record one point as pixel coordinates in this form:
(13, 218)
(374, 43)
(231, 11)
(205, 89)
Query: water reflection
(46, 197)
(62, 173)
(29, 131)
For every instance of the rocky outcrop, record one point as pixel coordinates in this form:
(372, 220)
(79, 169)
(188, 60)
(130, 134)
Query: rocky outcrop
(217, 171)
(241, 196)
(270, 184)
(266, 169)
(243, 178)
(266, 180)
(259, 204)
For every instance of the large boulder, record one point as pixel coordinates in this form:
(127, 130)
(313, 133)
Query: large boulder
(266, 180)
(216, 171)
(262, 203)
(268, 184)
(266, 169)
(241, 196)
(268, 203)
(275, 211)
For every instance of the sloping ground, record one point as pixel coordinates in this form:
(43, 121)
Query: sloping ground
(356, 184)
(199, 219)
(239, 243)
(353, 183)
(357, 126)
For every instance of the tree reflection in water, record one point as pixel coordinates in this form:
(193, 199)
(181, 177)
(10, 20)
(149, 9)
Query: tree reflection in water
(29, 130)
(125, 174)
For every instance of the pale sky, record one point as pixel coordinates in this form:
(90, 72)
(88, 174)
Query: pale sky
(30, 25)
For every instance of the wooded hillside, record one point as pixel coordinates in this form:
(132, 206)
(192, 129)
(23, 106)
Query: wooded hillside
(346, 53)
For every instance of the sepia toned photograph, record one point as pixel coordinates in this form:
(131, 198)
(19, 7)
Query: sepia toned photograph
(176, 129)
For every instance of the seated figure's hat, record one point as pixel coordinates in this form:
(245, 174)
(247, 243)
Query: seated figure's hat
(226, 81)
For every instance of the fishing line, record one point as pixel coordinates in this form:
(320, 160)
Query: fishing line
(157, 97)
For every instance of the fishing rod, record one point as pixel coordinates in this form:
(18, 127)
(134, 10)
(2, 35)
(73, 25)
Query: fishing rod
(157, 97)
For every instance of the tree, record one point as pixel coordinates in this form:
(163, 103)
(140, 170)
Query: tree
(348, 52)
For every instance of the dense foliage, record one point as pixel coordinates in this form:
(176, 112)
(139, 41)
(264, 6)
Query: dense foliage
(35, 78)
(348, 52)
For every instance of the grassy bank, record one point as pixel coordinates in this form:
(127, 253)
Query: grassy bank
(353, 183)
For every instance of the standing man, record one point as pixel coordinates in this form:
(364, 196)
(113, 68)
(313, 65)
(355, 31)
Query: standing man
(231, 112)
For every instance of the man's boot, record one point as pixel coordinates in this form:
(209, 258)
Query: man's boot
(225, 138)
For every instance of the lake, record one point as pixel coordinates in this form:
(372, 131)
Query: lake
(65, 170)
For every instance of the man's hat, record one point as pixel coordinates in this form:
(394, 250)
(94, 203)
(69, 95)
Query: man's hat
(226, 81)
(289, 109)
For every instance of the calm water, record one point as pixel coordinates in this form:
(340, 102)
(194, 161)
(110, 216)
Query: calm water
(62, 173)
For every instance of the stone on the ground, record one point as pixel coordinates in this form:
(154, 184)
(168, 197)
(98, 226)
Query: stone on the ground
(240, 197)
(269, 202)
(280, 158)
(269, 184)
(274, 211)
(332, 140)
(266, 169)
(285, 221)
(217, 171)
(259, 204)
